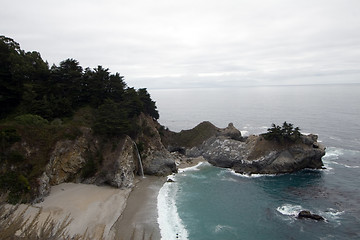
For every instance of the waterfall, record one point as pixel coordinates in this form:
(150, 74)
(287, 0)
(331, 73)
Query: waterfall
(139, 158)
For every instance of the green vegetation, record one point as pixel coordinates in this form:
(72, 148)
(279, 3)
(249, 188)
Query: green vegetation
(29, 86)
(281, 134)
(40, 105)
(31, 120)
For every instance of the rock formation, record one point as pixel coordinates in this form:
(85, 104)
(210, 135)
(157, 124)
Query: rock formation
(92, 160)
(157, 160)
(251, 155)
(308, 214)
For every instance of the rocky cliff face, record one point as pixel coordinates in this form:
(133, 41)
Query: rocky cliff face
(157, 160)
(114, 162)
(67, 159)
(89, 159)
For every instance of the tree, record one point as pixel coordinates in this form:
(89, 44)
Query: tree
(285, 133)
(111, 119)
(149, 106)
(66, 80)
(10, 87)
(132, 102)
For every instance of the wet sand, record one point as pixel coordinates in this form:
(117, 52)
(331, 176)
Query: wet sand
(139, 219)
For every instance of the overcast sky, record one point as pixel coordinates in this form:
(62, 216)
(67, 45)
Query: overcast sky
(195, 43)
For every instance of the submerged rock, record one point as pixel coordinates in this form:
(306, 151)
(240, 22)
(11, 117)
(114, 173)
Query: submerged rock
(308, 214)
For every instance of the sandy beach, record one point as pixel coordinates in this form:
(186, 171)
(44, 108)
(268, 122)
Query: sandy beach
(91, 207)
(105, 211)
(139, 219)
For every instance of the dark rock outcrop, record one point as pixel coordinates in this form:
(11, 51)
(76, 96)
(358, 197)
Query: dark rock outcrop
(309, 215)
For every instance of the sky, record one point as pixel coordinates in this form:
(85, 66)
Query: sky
(195, 43)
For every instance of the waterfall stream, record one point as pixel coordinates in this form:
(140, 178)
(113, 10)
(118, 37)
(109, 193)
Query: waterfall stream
(139, 158)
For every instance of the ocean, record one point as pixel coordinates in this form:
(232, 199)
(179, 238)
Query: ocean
(207, 202)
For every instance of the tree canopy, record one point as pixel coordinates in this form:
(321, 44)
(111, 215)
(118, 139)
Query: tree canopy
(286, 132)
(29, 86)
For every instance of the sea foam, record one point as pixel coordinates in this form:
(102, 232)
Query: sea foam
(289, 209)
(250, 175)
(193, 168)
(170, 224)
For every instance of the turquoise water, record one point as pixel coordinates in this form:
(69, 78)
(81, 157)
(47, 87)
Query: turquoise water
(206, 202)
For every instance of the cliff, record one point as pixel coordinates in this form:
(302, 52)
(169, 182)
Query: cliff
(36, 157)
(49, 155)
(114, 162)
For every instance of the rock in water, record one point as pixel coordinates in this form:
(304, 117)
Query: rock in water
(308, 214)
(256, 155)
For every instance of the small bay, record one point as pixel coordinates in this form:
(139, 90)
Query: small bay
(215, 203)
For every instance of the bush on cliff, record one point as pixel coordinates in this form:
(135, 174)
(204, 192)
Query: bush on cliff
(281, 134)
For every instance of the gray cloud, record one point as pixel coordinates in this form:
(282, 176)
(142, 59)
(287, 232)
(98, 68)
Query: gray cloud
(177, 44)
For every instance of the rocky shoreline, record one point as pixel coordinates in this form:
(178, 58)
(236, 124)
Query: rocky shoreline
(254, 154)
(163, 151)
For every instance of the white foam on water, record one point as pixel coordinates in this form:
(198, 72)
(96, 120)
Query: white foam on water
(170, 224)
(221, 228)
(250, 175)
(348, 166)
(193, 168)
(244, 133)
(289, 209)
(333, 153)
(345, 165)
(332, 214)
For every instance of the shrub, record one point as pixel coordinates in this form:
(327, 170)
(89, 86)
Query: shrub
(16, 184)
(15, 157)
(31, 120)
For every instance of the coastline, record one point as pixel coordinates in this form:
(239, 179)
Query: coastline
(189, 162)
(139, 218)
(107, 212)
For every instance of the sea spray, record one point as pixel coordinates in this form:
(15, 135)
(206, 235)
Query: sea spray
(171, 226)
(170, 223)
